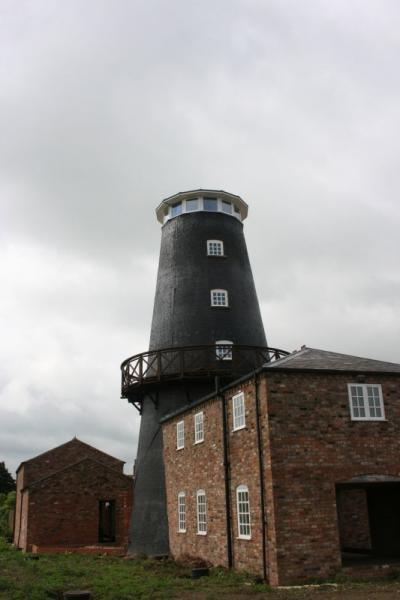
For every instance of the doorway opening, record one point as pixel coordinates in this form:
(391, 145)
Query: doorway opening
(106, 521)
(369, 520)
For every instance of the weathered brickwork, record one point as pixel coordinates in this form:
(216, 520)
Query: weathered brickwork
(354, 532)
(244, 470)
(53, 516)
(197, 467)
(315, 445)
(67, 454)
(309, 445)
(60, 506)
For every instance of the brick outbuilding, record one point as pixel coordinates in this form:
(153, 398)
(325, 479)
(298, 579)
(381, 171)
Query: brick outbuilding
(70, 497)
(292, 472)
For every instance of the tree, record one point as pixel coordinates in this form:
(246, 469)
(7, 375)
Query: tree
(7, 508)
(7, 483)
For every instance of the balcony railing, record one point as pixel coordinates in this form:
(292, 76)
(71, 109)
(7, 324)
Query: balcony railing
(192, 362)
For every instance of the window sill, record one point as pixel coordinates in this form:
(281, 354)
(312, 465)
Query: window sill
(238, 428)
(201, 533)
(181, 531)
(198, 442)
(368, 419)
(181, 448)
(219, 306)
(243, 537)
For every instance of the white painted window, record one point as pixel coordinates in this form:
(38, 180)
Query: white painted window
(180, 435)
(176, 209)
(243, 512)
(215, 248)
(201, 512)
(238, 411)
(198, 427)
(202, 203)
(223, 350)
(210, 204)
(366, 402)
(226, 207)
(219, 298)
(182, 512)
(192, 205)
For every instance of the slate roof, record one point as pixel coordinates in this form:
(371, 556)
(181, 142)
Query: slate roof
(312, 359)
(74, 440)
(60, 472)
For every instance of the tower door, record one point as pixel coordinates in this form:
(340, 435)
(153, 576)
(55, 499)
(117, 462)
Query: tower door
(107, 521)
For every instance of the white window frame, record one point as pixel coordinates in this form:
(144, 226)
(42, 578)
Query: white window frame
(217, 245)
(199, 427)
(243, 512)
(201, 512)
(238, 411)
(361, 408)
(223, 349)
(182, 512)
(180, 435)
(214, 298)
(235, 212)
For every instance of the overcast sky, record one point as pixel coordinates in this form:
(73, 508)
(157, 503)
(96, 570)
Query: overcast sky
(107, 107)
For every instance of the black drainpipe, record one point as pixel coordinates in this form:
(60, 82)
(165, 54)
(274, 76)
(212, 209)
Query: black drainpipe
(261, 473)
(226, 475)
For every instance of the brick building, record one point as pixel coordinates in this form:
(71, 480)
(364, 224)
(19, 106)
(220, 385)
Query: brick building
(70, 497)
(291, 472)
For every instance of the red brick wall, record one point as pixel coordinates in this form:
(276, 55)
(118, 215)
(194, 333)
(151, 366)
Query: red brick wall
(354, 531)
(64, 509)
(18, 506)
(64, 455)
(314, 445)
(309, 445)
(23, 536)
(197, 466)
(200, 466)
(244, 465)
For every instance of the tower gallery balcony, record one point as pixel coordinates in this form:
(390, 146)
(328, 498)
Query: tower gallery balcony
(144, 372)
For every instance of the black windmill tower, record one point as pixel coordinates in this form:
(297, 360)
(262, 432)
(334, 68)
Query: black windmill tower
(206, 324)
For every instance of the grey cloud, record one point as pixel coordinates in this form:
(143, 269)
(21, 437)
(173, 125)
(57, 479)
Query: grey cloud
(106, 108)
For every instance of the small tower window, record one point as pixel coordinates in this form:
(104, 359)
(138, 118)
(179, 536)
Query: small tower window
(243, 512)
(176, 209)
(182, 512)
(226, 207)
(180, 435)
(238, 410)
(215, 248)
(198, 427)
(219, 298)
(192, 205)
(210, 204)
(223, 350)
(201, 512)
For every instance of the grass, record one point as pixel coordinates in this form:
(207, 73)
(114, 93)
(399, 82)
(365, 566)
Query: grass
(109, 578)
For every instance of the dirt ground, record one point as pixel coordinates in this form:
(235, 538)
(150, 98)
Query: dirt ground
(364, 591)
